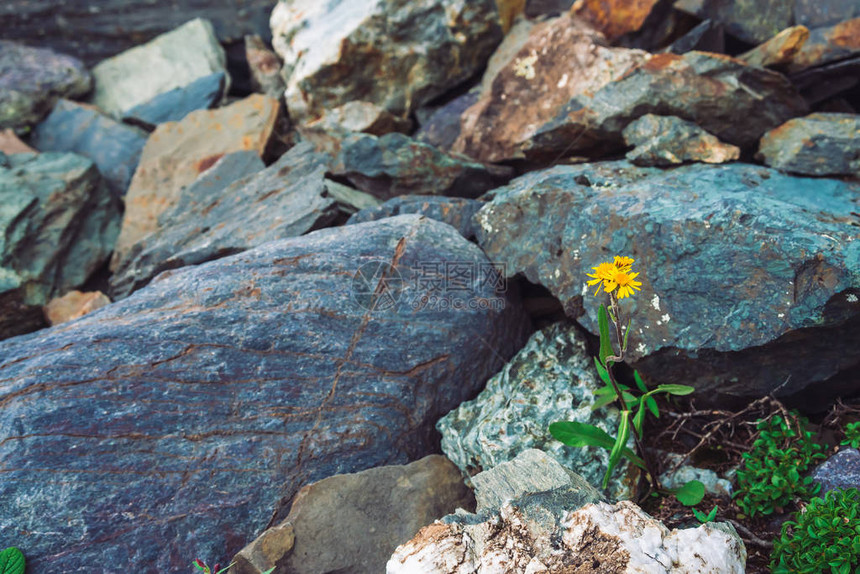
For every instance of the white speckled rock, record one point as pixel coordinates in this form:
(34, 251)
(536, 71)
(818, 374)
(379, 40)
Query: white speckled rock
(551, 379)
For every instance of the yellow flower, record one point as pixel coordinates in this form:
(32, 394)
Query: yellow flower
(615, 275)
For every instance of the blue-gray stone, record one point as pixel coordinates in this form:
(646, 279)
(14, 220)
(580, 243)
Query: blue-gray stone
(455, 211)
(114, 147)
(177, 422)
(172, 106)
(751, 278)
(842, 470)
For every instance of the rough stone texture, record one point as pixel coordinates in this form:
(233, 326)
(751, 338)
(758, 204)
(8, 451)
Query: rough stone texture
(350, 201)
(455, 211)
(828, 45)
(172, 60)
(533, 536)
(562, 59)
(397, 54)
(749, 278)
(361, 117)
(114, 147)
(179, 417)
(753, 21)
(117, 25)
(712, 482)
(735, 102)
(265, 66)
(58, 222)
(514, 41)
(32, 79)
(551, 379)
(779, 50)
(74, 305)
(353, 522)
(541, 7)
(707, 36)
(532, 470)
(820, 13)
(442, 126)
(614, 18)
(668, 140)
(11, 143)
(395, 164)
(176, 153)
(818, 144)
(172, 106)
(841, 470)
(232, 211)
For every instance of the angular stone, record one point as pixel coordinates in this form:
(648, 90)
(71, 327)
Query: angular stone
(350, 201)
(749, 279)
(32, 79)
(232, 208)
(540, 7)
(265, 68)
(361, 117)
(551, 379)
(779, 50)
(537, 536)
(455, 211)
(74, 305)
(181, 417)
(562, 59)
(841, 470)
(176, 153)
(614, 18)
(735, 102)
(396, 55)
(818, 144)
(11, 143)
(395, 164)
(442, 126)
(829, 44)
(73, 127)
(821, 13)
(172, 106)
(172, 60)
(668, 140)
(707, 36)
(117, 25)
(353, 522)
(58, 222)
(753, 21)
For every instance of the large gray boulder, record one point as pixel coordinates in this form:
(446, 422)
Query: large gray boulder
(58, 222)
(750, 277)
(396, 54)
(184, 417)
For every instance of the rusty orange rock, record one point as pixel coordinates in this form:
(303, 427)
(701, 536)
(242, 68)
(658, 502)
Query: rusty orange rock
(614, 18)
(779, 50)
(73, 305)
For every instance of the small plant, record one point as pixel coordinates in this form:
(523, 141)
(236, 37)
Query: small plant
(11, 561)
(852, 435)
(825, 537)
(618, 280)
(705, 518)
(772, 474)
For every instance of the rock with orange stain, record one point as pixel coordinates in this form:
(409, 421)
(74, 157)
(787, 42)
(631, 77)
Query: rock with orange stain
(822, 13)
(176, 153)
(753, 21)
(394, 54)
(828, 45)
(561, 59)
(668, 140)
(614, 18)
(265, 66)
(73, 305)
(779, 50)
(818, 144)
(10, 143)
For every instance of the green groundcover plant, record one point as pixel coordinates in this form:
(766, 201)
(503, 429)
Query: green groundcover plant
(11, 561)
(823, 538)
(852, 435)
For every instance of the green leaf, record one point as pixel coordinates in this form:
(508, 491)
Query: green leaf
(270, 570)
(601, 370)
(691, 493)
(626, 334)
(679, 390)
(578, 434)
(618, 447)
(602, 401)
(11, 561)
(652, 406)
(605, 341)
(221, 571)
(640, 384)
(639, 418)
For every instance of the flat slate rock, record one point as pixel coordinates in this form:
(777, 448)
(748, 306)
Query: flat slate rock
(455, 211)
(117, 25)
(828, 44)
(818, 144)
(668, 140)
(58, 222)
(172, 106)
(750, 281)
(114, 147)
(32, 79)
(177, 422)
(173, 60)
(397, 55)
(232, 208)
(821, 13)
(753, 21)
(841, 470)
(176, 153)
